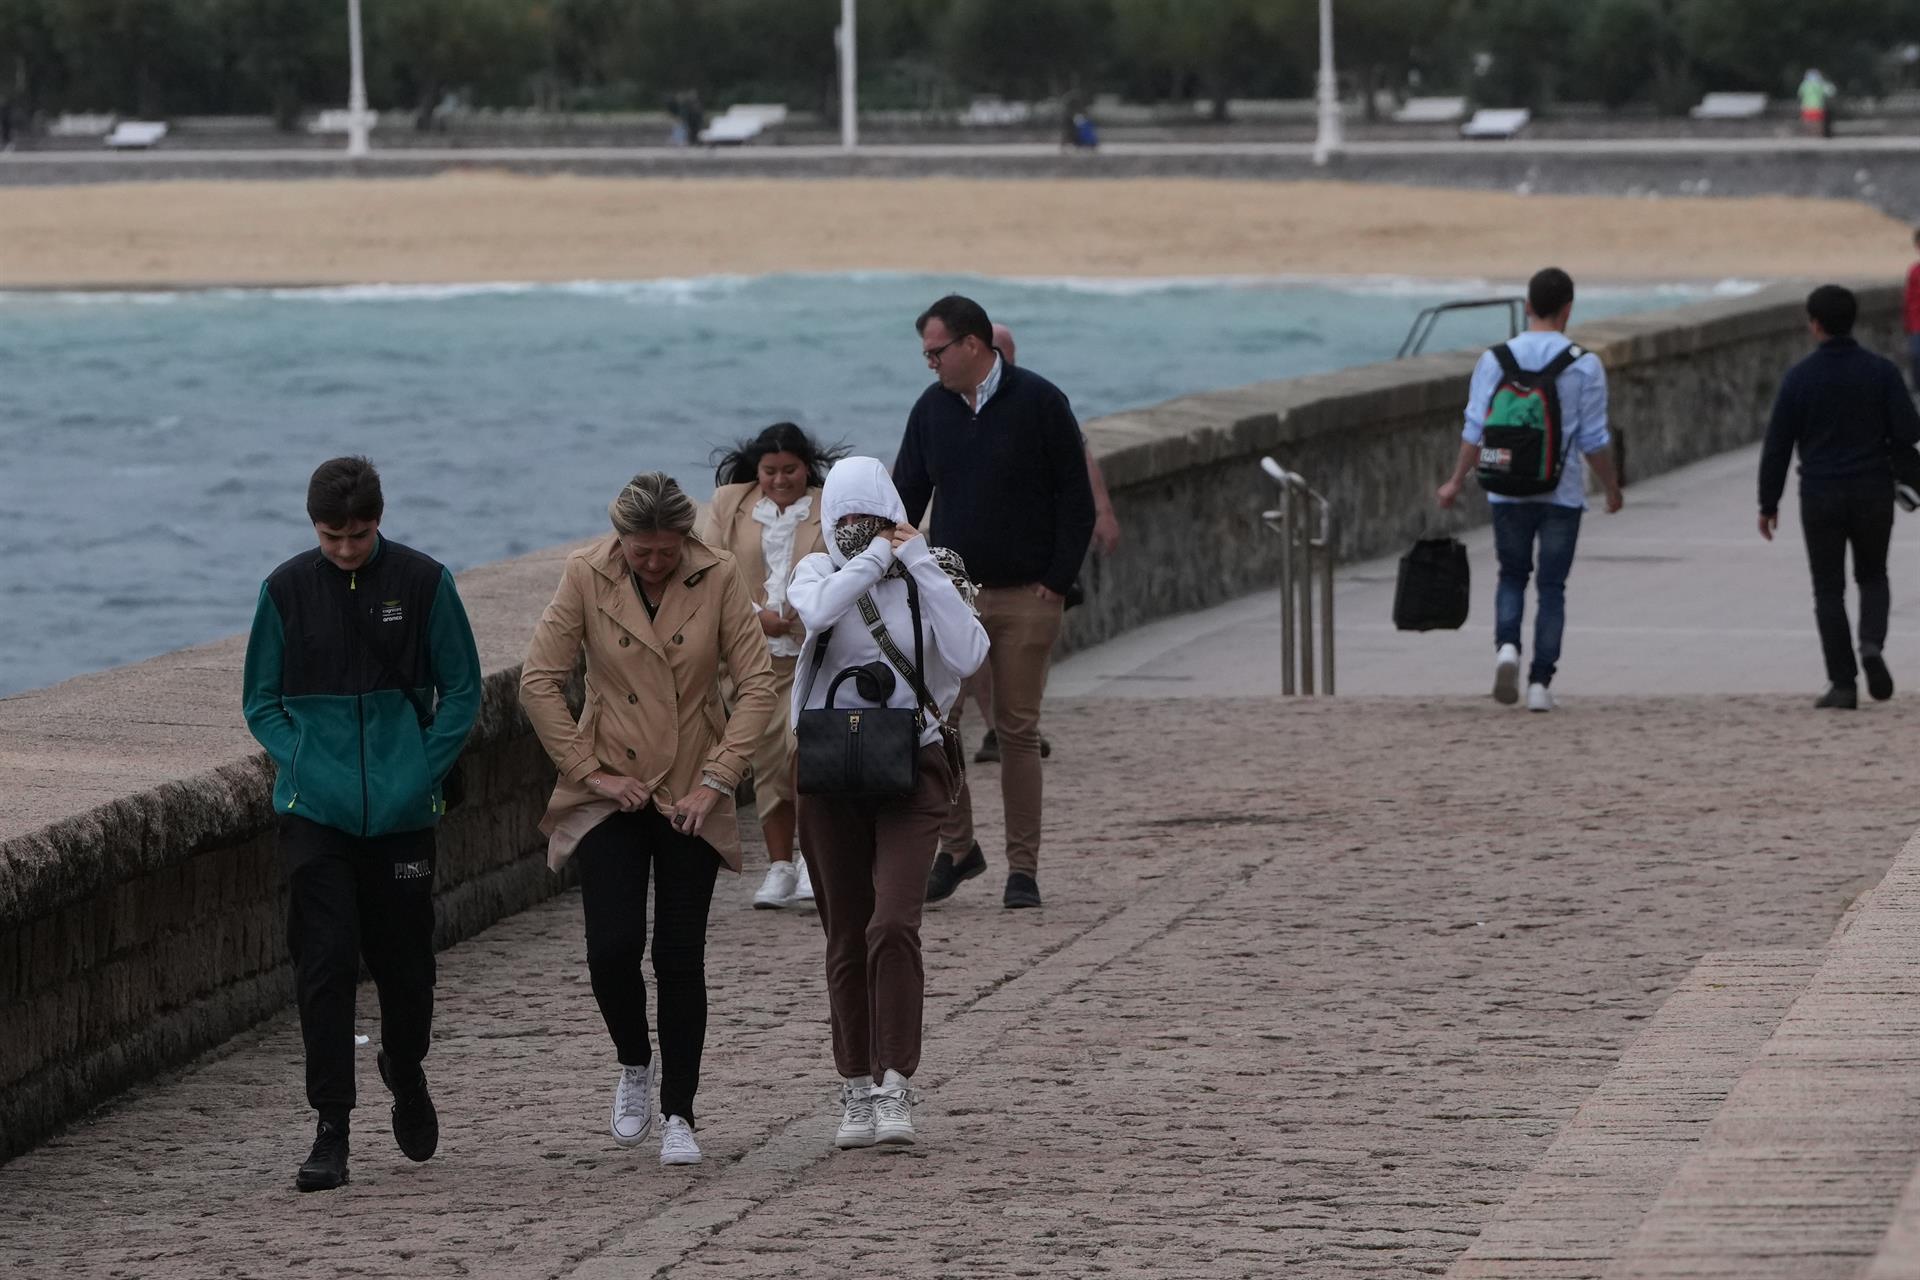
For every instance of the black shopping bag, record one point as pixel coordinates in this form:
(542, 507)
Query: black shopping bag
(1434, 588)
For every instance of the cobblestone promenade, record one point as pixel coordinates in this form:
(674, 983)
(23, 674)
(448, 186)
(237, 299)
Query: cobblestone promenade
(1311, 995)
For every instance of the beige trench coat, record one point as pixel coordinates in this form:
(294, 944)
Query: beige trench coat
(729, 525)
(652, 708)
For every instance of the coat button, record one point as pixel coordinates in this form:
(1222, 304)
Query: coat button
(633, 697)
(625, 641)
(629, 753)
(679, 639)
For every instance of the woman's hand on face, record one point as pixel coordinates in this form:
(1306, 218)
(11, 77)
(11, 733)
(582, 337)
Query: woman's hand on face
(625, 792)
(902, 534)
(689, 813)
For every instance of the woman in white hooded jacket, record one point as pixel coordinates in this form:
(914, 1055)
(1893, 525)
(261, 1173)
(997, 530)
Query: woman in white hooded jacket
(869, 857)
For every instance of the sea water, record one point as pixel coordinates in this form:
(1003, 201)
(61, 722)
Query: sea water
(155, 447)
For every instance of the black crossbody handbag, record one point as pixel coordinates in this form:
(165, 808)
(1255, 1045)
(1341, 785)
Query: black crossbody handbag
(865, 751)
(453, 787)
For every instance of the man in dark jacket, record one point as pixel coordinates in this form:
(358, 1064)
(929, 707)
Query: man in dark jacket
(352, 642)
(1844, 408)
(1002, 447)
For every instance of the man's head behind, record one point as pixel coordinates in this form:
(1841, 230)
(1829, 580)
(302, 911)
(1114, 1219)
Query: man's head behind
(1549, 293)
(1833, 309)
(345, 504)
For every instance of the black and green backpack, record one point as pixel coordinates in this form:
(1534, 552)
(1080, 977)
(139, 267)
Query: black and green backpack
(1523, 450)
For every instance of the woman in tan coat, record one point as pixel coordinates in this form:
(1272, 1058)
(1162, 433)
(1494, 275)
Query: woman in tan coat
(766, 511)
(647, 774)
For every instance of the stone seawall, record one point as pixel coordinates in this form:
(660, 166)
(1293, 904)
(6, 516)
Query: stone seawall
(142, 911)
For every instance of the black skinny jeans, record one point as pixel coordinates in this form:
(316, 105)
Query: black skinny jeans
(352, 897)
(615, 860)
(1856, 514)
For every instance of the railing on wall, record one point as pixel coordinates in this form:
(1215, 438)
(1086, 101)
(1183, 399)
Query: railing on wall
(1306, 552)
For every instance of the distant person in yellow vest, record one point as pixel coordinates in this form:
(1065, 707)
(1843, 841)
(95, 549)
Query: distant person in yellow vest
(1106, 537)
(1816, 96)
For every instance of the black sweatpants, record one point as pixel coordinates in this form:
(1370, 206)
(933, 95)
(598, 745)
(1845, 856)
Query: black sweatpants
(615, 860)
(1859, 515)
(353, 897)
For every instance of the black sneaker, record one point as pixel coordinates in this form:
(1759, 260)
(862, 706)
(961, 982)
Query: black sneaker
(947, 875)
(1879, 679)
(416, 1125)
(1046, 748)
(326, 1166)
(989, 752)
(1022, 891)
(1839, 697)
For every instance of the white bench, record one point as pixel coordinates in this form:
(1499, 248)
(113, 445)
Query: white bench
(1730, 106)
(993, 112)
(339, 120)
(743, 122)
(77, 124)
(135, 135)
(1431, 111)
(1496, 122)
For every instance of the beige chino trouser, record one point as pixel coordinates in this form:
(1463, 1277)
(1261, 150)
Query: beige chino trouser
(1021, 630)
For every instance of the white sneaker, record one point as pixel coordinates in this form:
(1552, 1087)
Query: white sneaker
(856, 1114)
(776, 891)
(893, 1110)
(1506, 675)
(676, 1142)
(1539, 698)
(633, 1104)
(803, 882)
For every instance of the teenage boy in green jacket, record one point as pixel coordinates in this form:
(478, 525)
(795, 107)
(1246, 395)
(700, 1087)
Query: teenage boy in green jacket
(362, 683)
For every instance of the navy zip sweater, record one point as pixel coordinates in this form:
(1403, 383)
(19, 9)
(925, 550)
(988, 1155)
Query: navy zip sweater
(1841, 407)
(1014, 497)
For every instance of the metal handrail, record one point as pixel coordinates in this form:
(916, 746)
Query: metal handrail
(1423, 323)
(1301, 549)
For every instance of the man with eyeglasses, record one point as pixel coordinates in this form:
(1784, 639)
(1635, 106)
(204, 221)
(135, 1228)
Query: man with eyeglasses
(1002, 448)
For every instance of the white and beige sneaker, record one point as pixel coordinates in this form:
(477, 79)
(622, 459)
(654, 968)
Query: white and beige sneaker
(856, 1114)
(776, 891)
(676, 1142)
(893, 1110)
(1539, 698)
(1506, 675)
(633, 1104)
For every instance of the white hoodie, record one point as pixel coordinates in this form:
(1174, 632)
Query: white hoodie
(826, 589)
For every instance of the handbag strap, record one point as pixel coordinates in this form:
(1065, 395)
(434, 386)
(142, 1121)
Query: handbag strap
(389, 670)
(870, 613)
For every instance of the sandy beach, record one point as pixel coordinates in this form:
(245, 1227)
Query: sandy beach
(500, 227)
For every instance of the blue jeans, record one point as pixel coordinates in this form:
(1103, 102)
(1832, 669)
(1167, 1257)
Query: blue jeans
(1516, 527)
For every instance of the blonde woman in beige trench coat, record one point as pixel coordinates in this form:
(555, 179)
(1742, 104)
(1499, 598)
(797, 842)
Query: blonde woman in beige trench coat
(647, 775)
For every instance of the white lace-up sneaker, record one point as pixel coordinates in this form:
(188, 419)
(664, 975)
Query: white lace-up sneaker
(856, 1114)
(633, 1104)
(776, 891)
(1539, 698)
(893, 1110)
(676, 1142)
(1506, 675)
(803, 882)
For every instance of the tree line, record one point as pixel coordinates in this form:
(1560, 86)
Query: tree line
(284, 57)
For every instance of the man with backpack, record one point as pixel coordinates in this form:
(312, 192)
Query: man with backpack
(1536, 418)
(1848, 413)
(352, 641)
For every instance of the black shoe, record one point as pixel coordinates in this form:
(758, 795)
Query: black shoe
(989, 752)
(416, 1125)
(1022, 891)
(1879, 679)
(946, 875)
(1046, 748)
(326, 1166)
(1839, 697)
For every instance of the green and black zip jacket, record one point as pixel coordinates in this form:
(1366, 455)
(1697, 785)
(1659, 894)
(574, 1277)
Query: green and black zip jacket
(350, 748)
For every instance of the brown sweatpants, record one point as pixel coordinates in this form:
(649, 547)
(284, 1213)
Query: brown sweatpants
(1021, 629)
(869, 860)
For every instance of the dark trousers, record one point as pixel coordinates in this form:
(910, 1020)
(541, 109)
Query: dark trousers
(615, 860)
(354, 898)
(1517, 526)
(869, 860)
(1857, 515)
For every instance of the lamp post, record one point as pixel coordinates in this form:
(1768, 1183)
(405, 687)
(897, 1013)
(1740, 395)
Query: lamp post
(357, 90)
(849, 117)
(1327, 140)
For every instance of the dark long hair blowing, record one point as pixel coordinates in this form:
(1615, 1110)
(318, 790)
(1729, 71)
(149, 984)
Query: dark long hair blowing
(741, 463)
